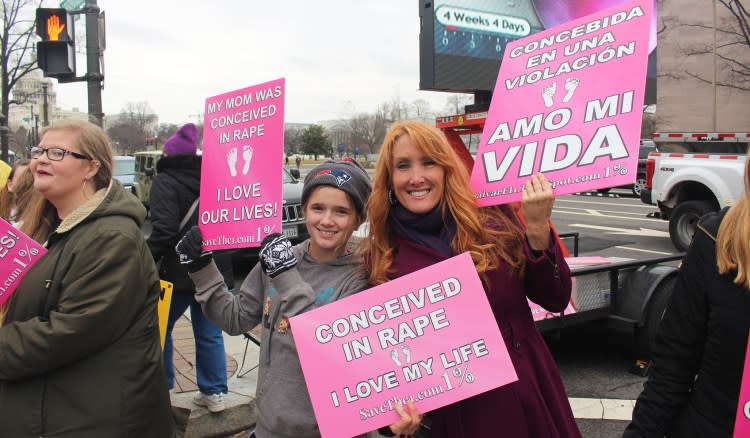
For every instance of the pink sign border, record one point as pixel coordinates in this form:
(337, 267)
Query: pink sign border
(625, 75)
(258, 182)
(322, 362)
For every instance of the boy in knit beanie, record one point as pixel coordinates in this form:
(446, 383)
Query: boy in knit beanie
(346, 175)
(290, 280)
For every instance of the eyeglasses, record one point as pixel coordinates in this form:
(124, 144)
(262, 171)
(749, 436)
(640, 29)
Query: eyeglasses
(55, 154)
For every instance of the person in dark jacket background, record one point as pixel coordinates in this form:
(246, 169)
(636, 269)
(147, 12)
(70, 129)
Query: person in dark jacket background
(79, 348)
(694, 382)
(175, 188)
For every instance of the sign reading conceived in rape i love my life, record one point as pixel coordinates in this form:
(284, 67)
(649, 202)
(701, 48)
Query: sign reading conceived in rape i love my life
(567, 103)
(404, 340)
(243, 141)
(18, 253)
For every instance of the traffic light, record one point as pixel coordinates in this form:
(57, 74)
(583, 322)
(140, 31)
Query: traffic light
(56, 51)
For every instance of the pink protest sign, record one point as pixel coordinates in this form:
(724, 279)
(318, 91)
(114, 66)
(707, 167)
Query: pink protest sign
(18, 253)
(429, 337)
(742, 421)
(540, 313)
(243, 143)
(575, 262)
(567, 103)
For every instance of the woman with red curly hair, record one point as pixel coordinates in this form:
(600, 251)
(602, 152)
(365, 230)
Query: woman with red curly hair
(422, 211)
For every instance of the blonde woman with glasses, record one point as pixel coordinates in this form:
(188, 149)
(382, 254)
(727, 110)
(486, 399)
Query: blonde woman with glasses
(79, 348)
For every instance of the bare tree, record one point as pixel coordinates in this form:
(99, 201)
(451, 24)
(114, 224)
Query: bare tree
(703, 68)
(16, 55)
(133, 129)
(141, 115)
(740, 34)
(456, 103)
(126, 138)
(164, 131)
(368, 129)
(292, 141)
(394, 110)
(731, 51)
(420, 108)
(19, 141)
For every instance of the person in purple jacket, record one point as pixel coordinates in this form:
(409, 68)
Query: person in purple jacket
(422, 211)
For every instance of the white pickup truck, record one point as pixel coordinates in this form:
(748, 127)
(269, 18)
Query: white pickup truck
(693, 174)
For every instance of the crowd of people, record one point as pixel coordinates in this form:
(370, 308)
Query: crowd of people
(79, 340)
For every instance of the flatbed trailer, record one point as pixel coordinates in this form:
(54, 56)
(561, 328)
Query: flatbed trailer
(626, 295)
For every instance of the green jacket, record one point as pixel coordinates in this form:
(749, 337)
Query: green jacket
(90, 366)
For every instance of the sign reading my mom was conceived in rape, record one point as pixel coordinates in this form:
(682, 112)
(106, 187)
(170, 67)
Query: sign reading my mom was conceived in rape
(429, 337)
(243, 141)
(567, 103)
(18, 253)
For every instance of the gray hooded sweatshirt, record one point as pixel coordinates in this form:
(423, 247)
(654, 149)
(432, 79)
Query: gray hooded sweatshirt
(282, 402)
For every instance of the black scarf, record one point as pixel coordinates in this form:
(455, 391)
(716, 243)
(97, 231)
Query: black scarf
(428, 229)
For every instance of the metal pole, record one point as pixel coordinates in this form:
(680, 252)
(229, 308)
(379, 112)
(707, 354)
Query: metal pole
(92, 63)
(715, 129)
(36, 129)
(45, 105)
(32, 137)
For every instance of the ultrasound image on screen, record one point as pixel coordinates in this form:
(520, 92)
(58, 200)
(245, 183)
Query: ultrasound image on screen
(463, 31)
(466, 38)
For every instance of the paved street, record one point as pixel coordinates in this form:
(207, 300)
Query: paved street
(593, 359)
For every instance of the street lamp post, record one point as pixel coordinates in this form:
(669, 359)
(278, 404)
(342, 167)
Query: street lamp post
(45, 105)
(4, 137)
(715, 77)
(93, 55)
(36, 130)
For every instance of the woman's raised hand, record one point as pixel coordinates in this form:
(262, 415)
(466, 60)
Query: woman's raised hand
(536, 203)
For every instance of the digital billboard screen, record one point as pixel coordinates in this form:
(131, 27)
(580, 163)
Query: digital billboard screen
(462, 41)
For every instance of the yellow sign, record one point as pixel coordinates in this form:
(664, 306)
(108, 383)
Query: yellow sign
(4, 172)
(162, 308)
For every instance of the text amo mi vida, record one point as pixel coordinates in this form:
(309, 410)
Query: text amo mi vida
(562, 151)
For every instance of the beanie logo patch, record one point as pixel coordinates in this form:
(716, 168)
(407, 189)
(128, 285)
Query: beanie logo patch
(341, 176)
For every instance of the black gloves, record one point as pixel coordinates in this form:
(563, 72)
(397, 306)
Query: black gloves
(190, 250)
(276, 254)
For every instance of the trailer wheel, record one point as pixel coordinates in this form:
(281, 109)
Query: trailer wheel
(683, 221)
(657, 304)
(639, 185)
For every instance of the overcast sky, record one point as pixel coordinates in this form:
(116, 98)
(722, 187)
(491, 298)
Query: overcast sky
(338, 56)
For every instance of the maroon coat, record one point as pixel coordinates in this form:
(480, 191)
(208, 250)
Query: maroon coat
(536, 405)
